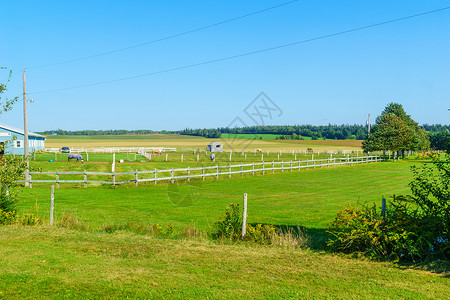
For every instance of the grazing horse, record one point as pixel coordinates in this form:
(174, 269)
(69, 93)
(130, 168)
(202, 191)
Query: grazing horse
(75, 155)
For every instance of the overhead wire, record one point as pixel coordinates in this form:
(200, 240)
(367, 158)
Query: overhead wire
(163, 38)
(249, 53)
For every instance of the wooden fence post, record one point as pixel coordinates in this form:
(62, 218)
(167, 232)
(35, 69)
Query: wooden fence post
(244, 216)
(290, 166)
(172, 174)
(181, 157)
(263, 168)
(383, 208)
(155, 176)
(229, 171)
(189, 174)
(57, 179)
(253, 168)
(197, 157)
(203, 172)
(282, 166)
(52, 204)
(273, 167)
(217, 171)
(31, 184)
(85, 179)
(242, 170)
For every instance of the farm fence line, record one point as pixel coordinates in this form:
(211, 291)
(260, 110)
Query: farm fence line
(170, 175)
(114, 149)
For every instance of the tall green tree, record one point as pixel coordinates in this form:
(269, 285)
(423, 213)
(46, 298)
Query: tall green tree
(11, 168)
(396, 131)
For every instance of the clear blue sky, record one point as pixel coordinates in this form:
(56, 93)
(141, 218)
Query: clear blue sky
(335, 80)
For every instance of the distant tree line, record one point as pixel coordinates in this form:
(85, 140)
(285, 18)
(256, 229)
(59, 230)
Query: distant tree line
(438, 134)
(295, 132)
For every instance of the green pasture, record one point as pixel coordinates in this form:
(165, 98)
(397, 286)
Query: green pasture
(308, 198)
(102, 162)
(53, 262)
(56, 263)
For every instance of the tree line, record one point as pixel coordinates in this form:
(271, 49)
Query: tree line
(393, 130)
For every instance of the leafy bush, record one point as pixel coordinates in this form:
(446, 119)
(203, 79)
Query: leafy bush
(261, 234)
(7, 217)
(231, 227)
(11, 217)
(416, 226)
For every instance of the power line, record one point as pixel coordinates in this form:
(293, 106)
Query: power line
(164, 38)
(248, 53)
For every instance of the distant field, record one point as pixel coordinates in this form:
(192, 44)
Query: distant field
(249, 136)
(192, 142)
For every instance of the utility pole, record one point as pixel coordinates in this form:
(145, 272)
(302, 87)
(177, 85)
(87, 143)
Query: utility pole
(25, 118)
(25, 127)
(368, 125)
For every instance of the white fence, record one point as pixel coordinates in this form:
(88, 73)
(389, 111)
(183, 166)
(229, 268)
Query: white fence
(114, 149)
(170, 175)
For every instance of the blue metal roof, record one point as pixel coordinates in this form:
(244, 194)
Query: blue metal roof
(21, 131)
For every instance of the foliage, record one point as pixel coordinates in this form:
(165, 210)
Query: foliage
(430, 190)
(6, 104)
(7, 217)
(11, 170)
(440, 140)
(416, 226)
(263, 234)
(395, 130)
(231, 227)
(11, 217)
(399, 236)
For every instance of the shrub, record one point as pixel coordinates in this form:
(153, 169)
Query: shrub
(7, 217)
(231, 227)
(416, 226)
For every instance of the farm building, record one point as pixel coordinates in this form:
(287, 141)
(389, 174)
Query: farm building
(13, 140)
(215, 147)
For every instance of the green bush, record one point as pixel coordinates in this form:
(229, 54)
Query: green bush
(402, 235)
(231, 227)
(416, 227)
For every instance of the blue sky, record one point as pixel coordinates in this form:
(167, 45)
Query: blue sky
(336, 80)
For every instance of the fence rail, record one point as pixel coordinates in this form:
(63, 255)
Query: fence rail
(113, 149)
(198, 172)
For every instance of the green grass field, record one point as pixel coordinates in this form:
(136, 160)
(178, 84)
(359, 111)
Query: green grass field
(45, 262)
(308, 198)
(56, 262)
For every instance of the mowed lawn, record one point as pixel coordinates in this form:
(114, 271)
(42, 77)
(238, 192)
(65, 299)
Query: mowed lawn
(46, 263)
(308, 198)
(52, 262)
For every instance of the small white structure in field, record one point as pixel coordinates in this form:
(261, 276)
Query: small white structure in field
(215, 147)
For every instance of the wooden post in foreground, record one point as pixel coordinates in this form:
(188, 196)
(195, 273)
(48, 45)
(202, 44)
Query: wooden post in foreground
(52, 204)
(383, 208)
(244, 216)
